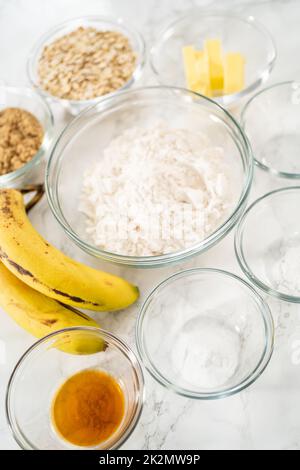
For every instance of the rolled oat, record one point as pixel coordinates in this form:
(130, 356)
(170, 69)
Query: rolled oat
(86, 63)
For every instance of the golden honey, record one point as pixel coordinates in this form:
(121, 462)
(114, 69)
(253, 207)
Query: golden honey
(88, 408)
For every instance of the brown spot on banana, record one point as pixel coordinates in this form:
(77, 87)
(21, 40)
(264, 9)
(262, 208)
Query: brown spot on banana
(19, 268)
(6, 208)
(76, 299)
(48, 322)
(72, 309)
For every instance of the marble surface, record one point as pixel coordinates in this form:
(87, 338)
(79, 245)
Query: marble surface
(266, 415)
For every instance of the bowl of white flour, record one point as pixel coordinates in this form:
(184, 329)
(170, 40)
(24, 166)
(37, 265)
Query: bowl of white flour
(150, 177)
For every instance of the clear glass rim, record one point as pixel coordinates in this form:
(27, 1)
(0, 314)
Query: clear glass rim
(247, 381)
(269, 169)
(250, 20)
(240, 255)
(158, 260)
(48, 132)
(113, 22)
(17, 433)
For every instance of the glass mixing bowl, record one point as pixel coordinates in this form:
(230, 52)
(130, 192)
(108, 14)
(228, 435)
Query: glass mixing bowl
(82, 143)
(267, 243)
(237, 33)
(43, 368)
(100, 23)
(275, 136)
(205, 334)
(30, 100)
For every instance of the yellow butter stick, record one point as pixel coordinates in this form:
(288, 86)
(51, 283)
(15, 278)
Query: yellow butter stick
(202, 72)
(234, 72)
(189, 60)
(213, 52)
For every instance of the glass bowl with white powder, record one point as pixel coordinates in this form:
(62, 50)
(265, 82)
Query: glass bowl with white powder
(267, 243)
(150, 176)
(201, 345)
(275, 136)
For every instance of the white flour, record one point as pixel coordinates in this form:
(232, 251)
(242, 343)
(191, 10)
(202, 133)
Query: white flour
(156, 190)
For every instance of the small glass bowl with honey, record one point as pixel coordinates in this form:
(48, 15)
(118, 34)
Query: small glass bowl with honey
(77, 388)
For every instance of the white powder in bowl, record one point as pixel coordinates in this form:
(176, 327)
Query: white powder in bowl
(206, 353)
(155, 191)
(284, 273)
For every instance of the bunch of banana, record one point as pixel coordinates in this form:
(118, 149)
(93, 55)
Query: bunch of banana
(36, 279)
(41, 315)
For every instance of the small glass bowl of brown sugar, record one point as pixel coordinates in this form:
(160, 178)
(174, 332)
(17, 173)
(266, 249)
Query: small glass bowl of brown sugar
(26, 130)
(81, 60)
(78, 388)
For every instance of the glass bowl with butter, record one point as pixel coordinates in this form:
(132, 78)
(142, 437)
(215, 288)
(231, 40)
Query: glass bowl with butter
(220, 55)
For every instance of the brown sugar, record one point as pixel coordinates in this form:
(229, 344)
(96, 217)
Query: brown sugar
(21, 136)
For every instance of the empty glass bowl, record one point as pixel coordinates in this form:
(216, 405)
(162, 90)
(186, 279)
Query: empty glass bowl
(205, 334)
(97, 22)
(84, 140)
(45, 366)
(237, 33)
(25, 98)
(267, 243)
(271, 121)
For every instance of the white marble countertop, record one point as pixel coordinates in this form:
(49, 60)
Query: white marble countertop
(266, 415)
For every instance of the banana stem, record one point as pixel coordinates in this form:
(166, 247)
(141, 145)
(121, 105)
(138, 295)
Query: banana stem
(39, 191)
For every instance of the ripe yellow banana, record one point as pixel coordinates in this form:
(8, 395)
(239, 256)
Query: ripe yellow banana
(41, 266)
(41, 315)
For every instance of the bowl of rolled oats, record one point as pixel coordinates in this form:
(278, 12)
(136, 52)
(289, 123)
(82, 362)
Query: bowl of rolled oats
(84, 59)
(26, 133)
